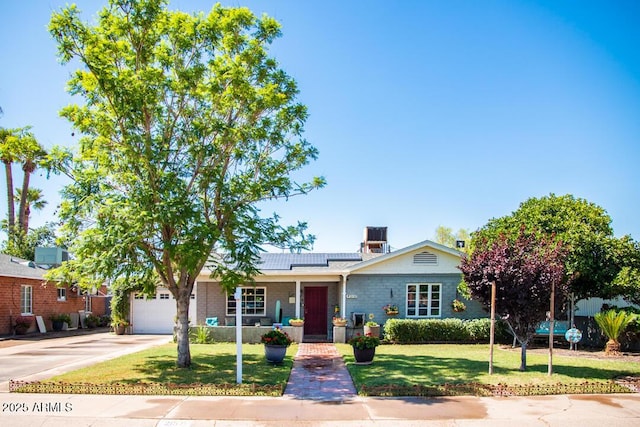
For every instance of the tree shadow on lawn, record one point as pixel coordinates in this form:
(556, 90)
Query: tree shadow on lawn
(580, 373)
(211, 369)
(429, 370)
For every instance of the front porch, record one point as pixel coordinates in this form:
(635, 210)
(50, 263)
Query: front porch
(250, 334)
(270, 301)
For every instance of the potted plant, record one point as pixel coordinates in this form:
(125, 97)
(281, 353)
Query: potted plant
(458, 306)
(371, 327)
(275, 343)
(296, 322)
(22, 324)
(339, 321)
(364, 348)
(119, 324)
(58, 320)
(391, 309)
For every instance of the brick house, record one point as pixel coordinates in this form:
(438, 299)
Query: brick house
(421, 280)
(25, 292)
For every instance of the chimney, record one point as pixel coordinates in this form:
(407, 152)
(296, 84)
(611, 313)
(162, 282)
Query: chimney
(375, 240)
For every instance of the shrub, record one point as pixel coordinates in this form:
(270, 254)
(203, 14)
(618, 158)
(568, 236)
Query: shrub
(61, 317)
(441, 330)
(92, 321)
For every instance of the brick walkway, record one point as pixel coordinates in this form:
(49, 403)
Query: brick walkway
(319, 373)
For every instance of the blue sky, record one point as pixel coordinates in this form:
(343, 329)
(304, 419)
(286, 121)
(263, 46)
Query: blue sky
(425, 113)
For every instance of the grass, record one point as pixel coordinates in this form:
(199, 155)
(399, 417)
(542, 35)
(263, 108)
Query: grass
(394, 365)
(429, 365)
(211, 364)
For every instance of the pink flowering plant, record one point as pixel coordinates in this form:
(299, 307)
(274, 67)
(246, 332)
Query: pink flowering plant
(276, 337)
(361, 342)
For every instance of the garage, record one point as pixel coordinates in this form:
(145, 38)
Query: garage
(155, 315)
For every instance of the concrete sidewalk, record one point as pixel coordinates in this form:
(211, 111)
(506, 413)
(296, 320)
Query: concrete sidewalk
(27, 410)
(319, 393)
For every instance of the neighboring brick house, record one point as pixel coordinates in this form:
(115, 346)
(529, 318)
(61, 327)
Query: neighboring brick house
(421, 280)
(24, 291)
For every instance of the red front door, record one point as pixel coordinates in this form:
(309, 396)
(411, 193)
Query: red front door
(315, 310)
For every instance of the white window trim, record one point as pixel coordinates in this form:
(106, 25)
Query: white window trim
(429, 301)
(22, 300)
(62, 294)
(263, 314)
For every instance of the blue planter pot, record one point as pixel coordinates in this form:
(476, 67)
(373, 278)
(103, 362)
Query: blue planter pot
(275, 353)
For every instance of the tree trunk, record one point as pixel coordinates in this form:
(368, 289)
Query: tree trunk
(612, 348)
(182, 307)
(28, 169)
(11, 210)
(523, 356)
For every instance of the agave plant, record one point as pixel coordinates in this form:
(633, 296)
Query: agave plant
(613, 323)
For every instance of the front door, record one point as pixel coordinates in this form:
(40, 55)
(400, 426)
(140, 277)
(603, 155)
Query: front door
(315, 310)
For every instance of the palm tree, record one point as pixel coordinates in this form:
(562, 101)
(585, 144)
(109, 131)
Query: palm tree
(613, 323)
(8, 155)
(31, 152)
(33, 200)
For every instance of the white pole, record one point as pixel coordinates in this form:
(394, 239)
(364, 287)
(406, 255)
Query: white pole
(238, 298)
(492, 331)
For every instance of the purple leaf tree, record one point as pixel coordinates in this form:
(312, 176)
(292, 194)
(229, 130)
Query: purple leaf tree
(524, 270)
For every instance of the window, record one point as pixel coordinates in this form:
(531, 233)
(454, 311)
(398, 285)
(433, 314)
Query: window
(165, 295)
(62, 294)
(423, 299)
(253, 302)
(26, 299)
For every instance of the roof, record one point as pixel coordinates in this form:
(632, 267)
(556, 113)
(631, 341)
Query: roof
(275, 264)
(289, 261)
(11, 266)
(403, 251)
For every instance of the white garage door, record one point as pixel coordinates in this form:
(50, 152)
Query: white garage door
(155, 315)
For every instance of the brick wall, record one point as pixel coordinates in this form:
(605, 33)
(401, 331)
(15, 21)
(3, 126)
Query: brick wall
(44, 301)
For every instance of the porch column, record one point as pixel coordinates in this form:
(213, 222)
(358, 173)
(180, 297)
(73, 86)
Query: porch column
(298, 299)
(343, 297)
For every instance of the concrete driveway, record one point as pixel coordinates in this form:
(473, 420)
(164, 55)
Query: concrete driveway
(37, 360)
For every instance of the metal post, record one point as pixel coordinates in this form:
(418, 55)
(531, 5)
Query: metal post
(238, 298)
(551, 328)
(493, 325)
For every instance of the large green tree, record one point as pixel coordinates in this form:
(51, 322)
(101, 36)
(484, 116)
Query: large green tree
(188, 123)
(446, 236)
(594, 256)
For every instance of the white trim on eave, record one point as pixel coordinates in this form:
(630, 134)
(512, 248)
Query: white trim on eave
(403, 251)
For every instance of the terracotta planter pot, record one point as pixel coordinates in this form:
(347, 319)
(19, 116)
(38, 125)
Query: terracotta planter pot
(275, 353)
(364, 356)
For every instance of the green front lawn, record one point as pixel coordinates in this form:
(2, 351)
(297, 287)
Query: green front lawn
(394, 365)
(433, 364)
(211, 364)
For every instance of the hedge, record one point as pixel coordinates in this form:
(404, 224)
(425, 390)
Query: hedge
(405, 331)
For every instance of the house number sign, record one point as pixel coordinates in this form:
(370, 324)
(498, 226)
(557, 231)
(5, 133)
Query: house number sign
(351, 296)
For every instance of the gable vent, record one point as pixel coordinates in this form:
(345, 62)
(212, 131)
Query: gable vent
(425, 258)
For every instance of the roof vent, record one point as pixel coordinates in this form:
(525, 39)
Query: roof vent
(425, 258)
(28, 264)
